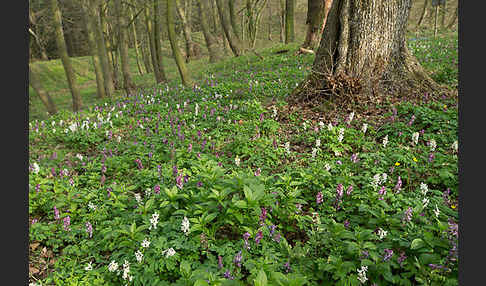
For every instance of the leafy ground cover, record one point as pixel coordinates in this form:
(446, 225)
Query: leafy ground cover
(220, 185)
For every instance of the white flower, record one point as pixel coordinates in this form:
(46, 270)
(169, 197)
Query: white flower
(455, 146)
(385, 141)
(113, 266)
(318, 142)
(147, 192)
(287, 147)
(329, 126)
(91, 206)
(436, 211)
(80, 157)
(35, 168)
(415, 137)
(350, 118)
(424, 188)
(145, 243)
(321, 124)
(304, 125)
(327, 166)
(382, 233)
(425, 202)
(89, 266)
(73, 127)
(384, 176)
(432, 145)
(138, 256)
(362, 274)
(376, 180)
(314, 152)
(138, 198)
(185, 225)
(196, 111)
(169, 252)
(274, 115)
(154, 220)
(237, 161)
(341, 134)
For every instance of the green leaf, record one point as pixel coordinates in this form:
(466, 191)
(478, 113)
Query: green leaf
(417, 243)
(200, 282)
(240, 204)
(261, 279)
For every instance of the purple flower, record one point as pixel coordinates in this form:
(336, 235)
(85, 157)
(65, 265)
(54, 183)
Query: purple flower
(411, 120)
(388, 254)
(220, 261)
(258, 172)
(227, 275)
(349, 191)
(102, 179)
(364, 254)
(401, 258)
(67, 222)
(453, 228)
(272, 228)
(246, 236)
(34, 221)
(263, 216)
(189, 149)
(277, 237)
(287, 267)
(237, 260)
(258, 237)
(139, 163)
(339, 191)
(339, 162)
(407, 216)
(174, 170)
(261, 117)
(381, 193)
(89, 229)
(157, 189)
(56, 213)
(398, 186)
(179, 182)
(354, 158)
(431, 157)
(37, 188)
(199, 184)
(319, 198)
(346, 223)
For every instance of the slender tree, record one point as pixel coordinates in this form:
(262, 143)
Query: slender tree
(93, 50)
(94, 20)
(151, 43)
(454, 18)
(46, 99)
(423, 14)
(289, 21)
(363, 47)
(214, 53)
(135, 40)
(146, 53)
(184, 10)
(282, 20)
(158, 40)
(234, 42)
(181, 65)
(122, 26)
(66, 62)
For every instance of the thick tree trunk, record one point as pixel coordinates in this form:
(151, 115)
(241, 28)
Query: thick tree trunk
(158, 41)
(122, 27)
(100, 86)
(181, 65)
(66, 62)
(135, 41)
(289, 21)
(363, 50)
(315, 18)
(215, 17)
(184, 14)
(214, 53)
(453, 19)
(232, 15)
(46, 99)
(234, 42)
(101, 47)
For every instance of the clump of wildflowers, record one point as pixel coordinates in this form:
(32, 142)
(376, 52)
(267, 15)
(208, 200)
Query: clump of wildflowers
(154, 220)
(185, 225)
(362, 274)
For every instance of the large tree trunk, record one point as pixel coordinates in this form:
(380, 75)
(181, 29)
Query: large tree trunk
(46, 99)
(94, 19)
(214, 53)
(185, 14)
(234, 42)
(66, 62)
(315, 17)
(158, 40)
(100, 86)
(363, 50)
(232, 15)
(454, 18)
(122, 27)
(289, 21)
(181, 65)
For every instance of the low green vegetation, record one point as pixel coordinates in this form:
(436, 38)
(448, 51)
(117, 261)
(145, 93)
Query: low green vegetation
(220, 185)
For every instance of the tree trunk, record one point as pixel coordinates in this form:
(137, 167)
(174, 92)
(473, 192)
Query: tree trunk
(443, 14)
(234, 42)
(100, 85)
(146, 54)
(289, 21)
(215, 17)
(315, 18)
(94, 18)
(181, 65)
(234, 26)
(185, 15)
(269, 3)
(151, 44)
(363, 50)
(436, 15)
(282, 20)
(135, 41)
(46, 99)
(66, 62)
(122, 27)
(422, 14)
(158, 41)
(214, 53)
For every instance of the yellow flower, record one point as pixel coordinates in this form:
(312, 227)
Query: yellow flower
(414, 159)
(397, 164)
(453, 206)
(445, 106)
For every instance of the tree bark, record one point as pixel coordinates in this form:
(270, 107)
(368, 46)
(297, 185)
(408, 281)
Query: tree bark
(234, 26)
(363, 50)
(95, 57)
(185, 15)
(214, 53)
(158, 41)
(269, 3)
(181, 65)
(454, 18)
(289, 21)
(94, 19)
(151, 43)
(135, 41)
(66, 62)
(46, 99)
(234, 42)
(282, 20)
(146, 54)
(315, 18)
(422, 14)
(122, 27)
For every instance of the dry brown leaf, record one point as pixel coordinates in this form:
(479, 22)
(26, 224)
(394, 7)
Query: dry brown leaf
(34, 245)
(33, 270)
